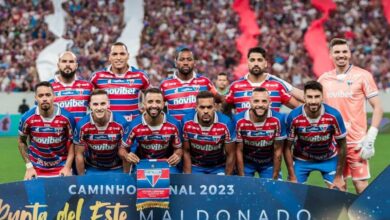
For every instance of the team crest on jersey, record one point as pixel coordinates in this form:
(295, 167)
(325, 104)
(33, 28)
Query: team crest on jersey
(349, 82)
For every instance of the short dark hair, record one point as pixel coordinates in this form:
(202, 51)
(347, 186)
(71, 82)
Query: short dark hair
(222, 74)
(152, 90)
(184, 49)
(337, 41)
(43, 84)
(313, 85)
(259, 50)
(205, 95)
(119, 44)
(260, 89)
(97, 92)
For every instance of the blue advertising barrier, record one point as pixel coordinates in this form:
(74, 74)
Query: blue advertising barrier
(374, 202)
(9, 125)
(200, 197)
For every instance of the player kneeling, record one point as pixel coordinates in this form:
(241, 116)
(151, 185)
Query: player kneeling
(312, 128)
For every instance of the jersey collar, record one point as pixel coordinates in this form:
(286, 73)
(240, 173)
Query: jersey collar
(185, 81)
(111, 119)
(57, 79)
(313, 120)
(154, 127)
(256, 84)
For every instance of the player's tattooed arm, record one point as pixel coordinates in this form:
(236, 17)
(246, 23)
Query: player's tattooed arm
(79, 159)
(186, 158)
(338, 181)
(298, 94)
(240, 158)
(293, 103)
(23, 149)
(175, 158)
(230, 149)
(67, 169)
(278, 151)
(289, 160)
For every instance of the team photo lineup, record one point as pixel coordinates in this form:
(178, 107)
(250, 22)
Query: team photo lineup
(107, 124)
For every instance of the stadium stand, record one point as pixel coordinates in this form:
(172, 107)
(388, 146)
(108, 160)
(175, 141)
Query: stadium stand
(23, 34)
(93, 26)
(208, 27)
(284, 23)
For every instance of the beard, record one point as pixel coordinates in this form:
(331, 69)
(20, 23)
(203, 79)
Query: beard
(153, 112)
(314, 108)
(67, 73)
(256, 70)
(259, 115)
(45, 106)
(185, 70)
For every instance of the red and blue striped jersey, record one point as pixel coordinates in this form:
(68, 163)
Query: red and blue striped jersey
(314, 138)
(123, 90)
(48, 148)
(207, 143)
(258, 138)
(241, 91)
(181, 95)
(157, 142)
(101, 143)
(73, 97)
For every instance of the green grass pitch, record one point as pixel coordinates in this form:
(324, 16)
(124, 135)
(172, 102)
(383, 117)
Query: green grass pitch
(12, 168)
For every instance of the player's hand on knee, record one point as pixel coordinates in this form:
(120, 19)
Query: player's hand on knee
(66, 171)
(174, 160)
(339, 184)
(132, 158)
(30, 174)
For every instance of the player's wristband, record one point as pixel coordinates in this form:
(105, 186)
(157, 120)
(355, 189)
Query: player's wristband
(29, 165)
(372, 133)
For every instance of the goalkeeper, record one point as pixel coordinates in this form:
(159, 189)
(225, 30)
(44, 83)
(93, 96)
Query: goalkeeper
(347, 87)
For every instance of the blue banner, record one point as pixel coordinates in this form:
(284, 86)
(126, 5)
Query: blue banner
(9, 124)
(192, 197)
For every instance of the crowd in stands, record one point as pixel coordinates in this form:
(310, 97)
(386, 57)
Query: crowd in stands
(284, 24)
(209, 28)
(23, 35)
(93, 26)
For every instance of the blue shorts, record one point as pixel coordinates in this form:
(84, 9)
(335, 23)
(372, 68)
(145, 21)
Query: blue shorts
(327, 168)
(265, 171)
(92, 170)
(219, 170)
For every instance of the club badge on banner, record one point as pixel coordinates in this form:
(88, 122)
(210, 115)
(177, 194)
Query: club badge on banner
(152, 184)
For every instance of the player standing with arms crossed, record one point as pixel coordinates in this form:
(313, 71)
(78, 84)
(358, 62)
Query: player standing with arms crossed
(241, 90)
(123, 84)
(347, 88)
(71, 93)
(180, 90)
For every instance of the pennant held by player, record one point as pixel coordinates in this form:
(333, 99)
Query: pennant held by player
(152, 184)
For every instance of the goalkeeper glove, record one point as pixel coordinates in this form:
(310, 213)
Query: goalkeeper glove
(367, 146)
